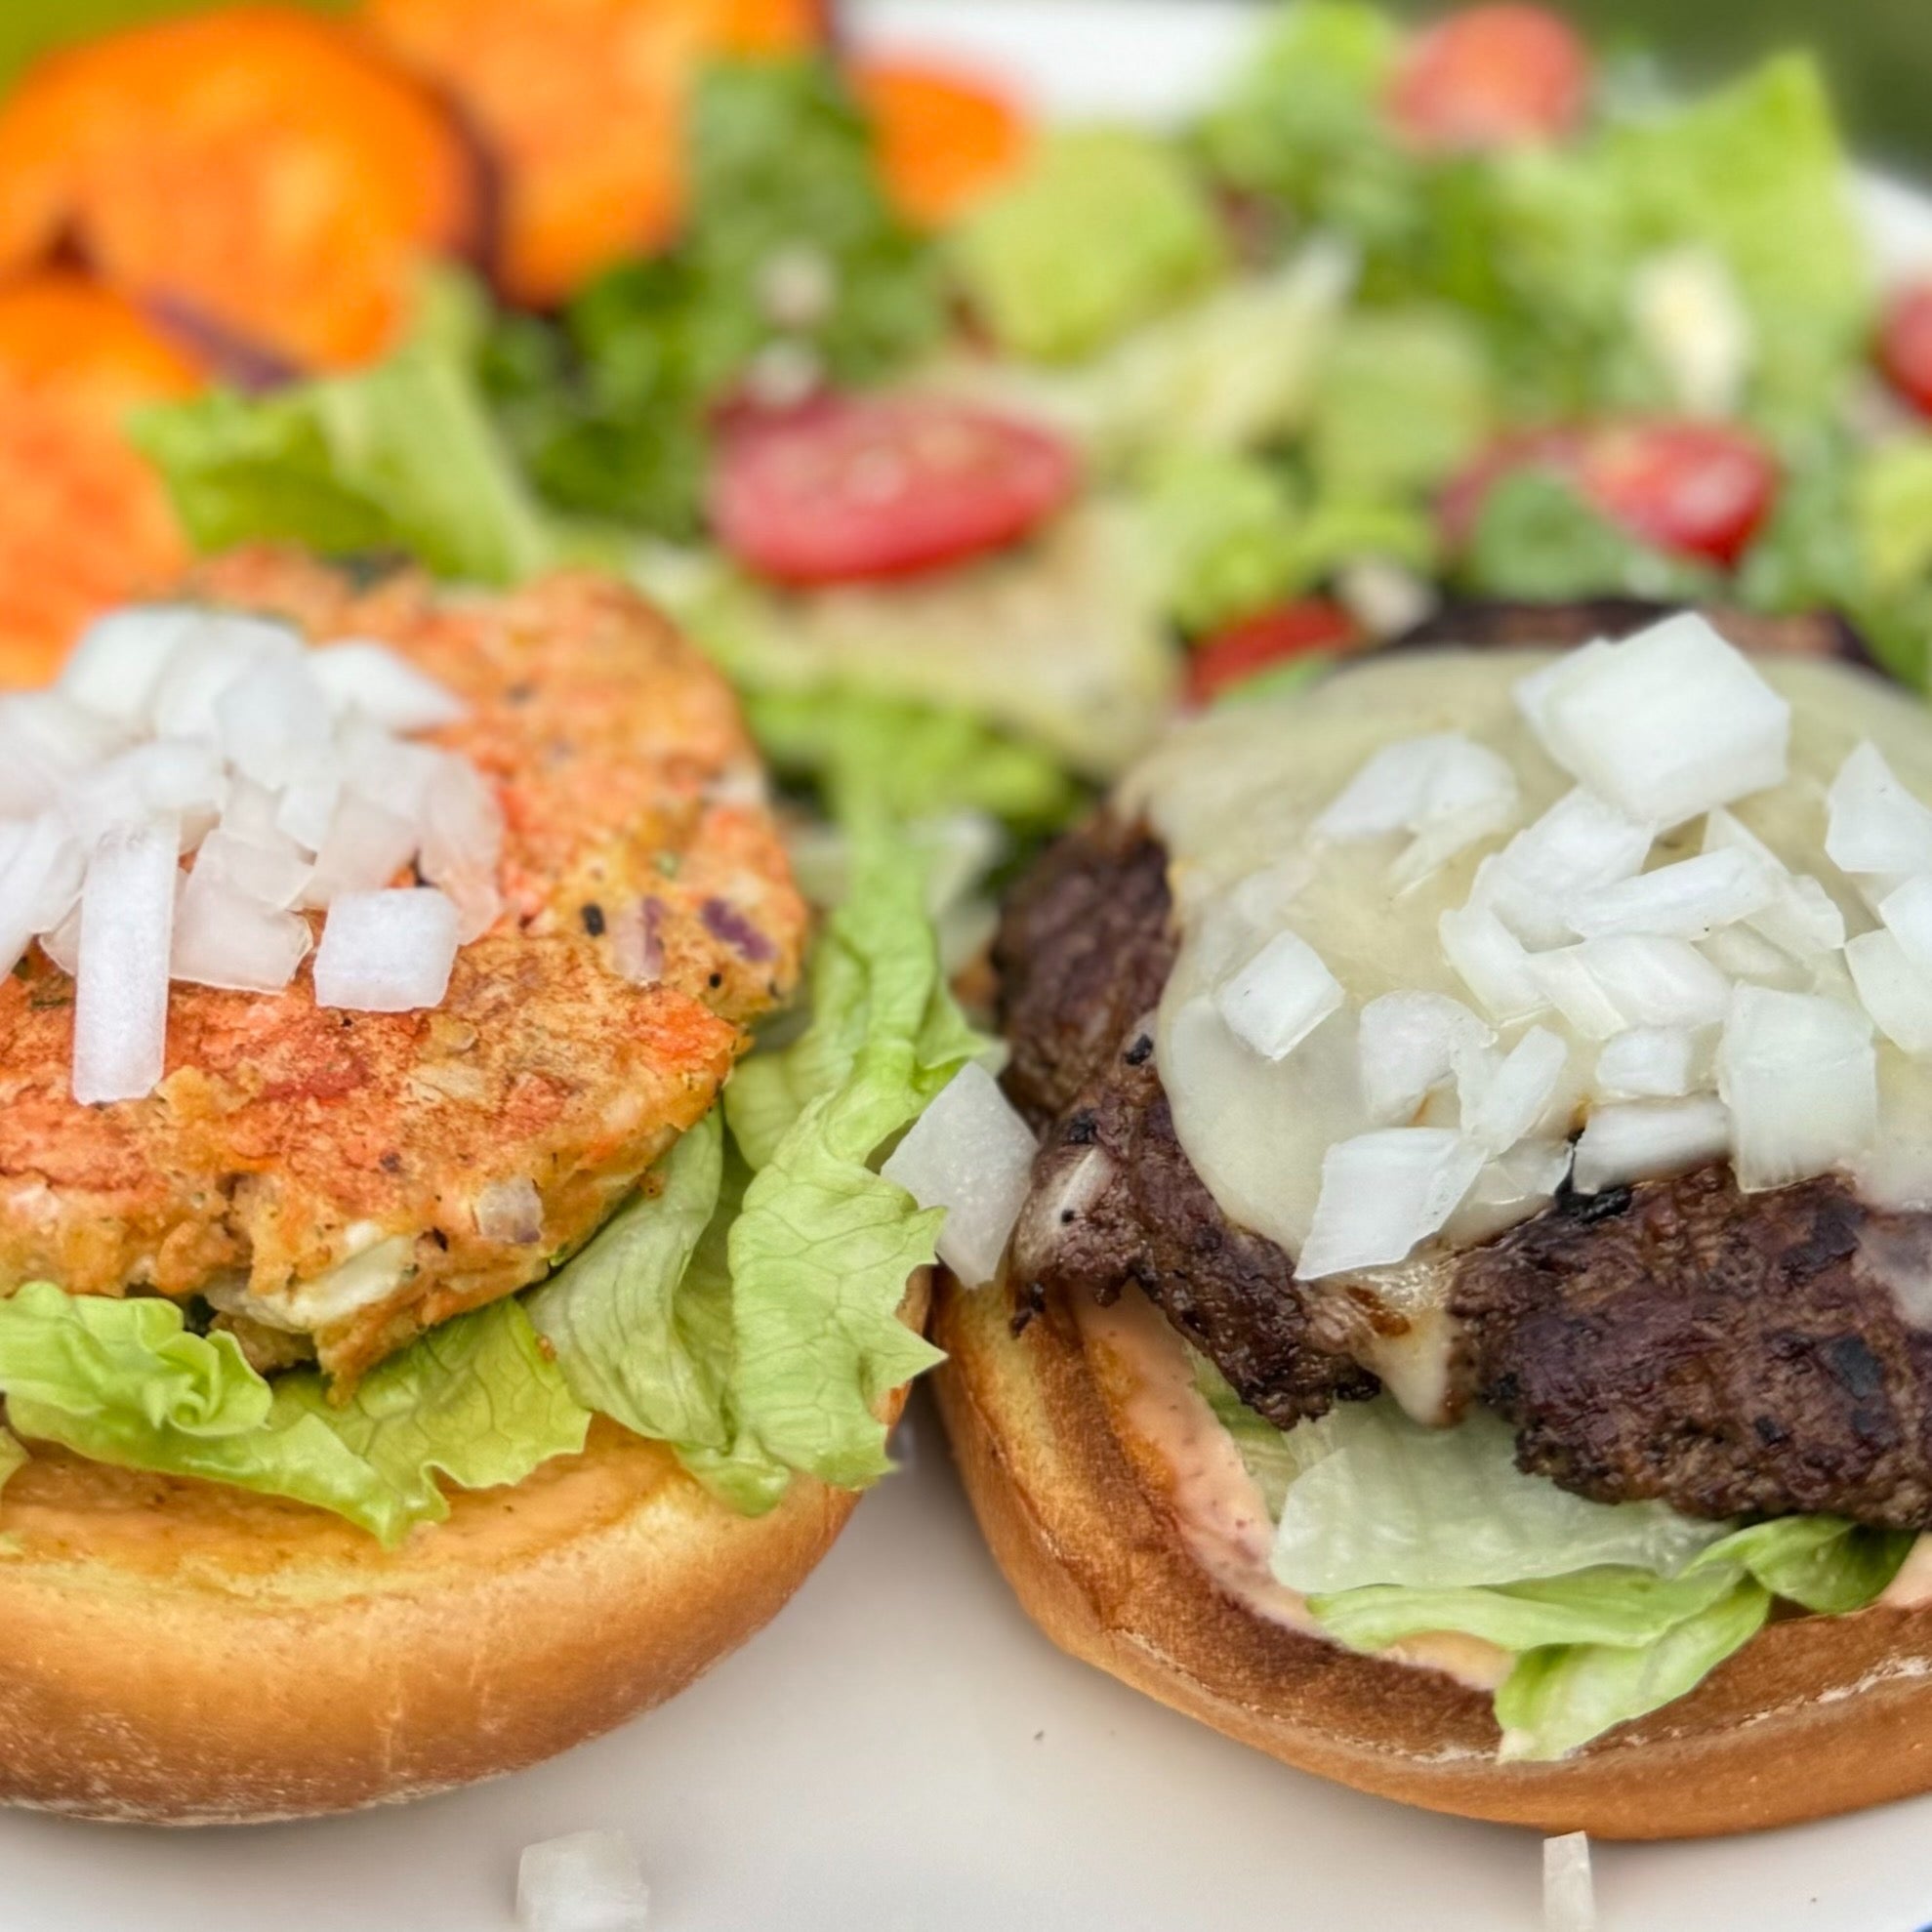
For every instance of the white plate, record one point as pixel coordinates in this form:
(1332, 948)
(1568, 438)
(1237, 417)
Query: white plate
(901, 1749)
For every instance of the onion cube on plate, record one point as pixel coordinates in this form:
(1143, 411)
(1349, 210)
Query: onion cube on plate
(1907, 910)
(1568, 1899)
(1491, 962)
(387, 952)
(127, 921)
(1646, 1063)
(1801, 917)
(1688, 900)
(1279, 997)
(1579, 845)
(971, 1154)
(1409, 1043)
(1873, 824)
(1642, 1139)
(224, 937)
(1665, 725)
(1602, 986)
(271, 869)
(1799, 1075)
(1895, 989)
(357, 675)
(273, 722)
(118, 667)
(1506, 1103)
(1381, 1194)
(45, 743)
(589, 1881)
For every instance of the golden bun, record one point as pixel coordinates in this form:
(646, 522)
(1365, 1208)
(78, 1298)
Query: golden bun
(184, 1653)
(1816, 1716)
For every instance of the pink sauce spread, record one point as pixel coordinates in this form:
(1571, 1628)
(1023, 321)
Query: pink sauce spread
(1218, 1507)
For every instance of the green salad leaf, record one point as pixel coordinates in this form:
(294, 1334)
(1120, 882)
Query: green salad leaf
(1225, 528)
(399, 456)
(790, 245)
(1105, 228)
(124, 1382)
(1396, 1531)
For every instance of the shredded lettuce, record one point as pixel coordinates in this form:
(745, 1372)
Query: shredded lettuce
(124, 1382)
(1105, 228)
(1225, 529)
(1397, 1532)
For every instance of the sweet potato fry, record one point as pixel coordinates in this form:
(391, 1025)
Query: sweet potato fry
(262, 167)
(945, 140)
(579, 102)
(88, 523)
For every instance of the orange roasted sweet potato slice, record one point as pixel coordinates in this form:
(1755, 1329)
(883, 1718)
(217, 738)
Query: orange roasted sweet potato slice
(263, 168)
(86, 524)
(580, 104)
(945, 140)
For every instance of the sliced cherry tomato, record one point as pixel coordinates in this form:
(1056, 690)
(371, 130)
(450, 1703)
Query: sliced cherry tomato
(1502, 76)
(1905, 343)
(1693, 488)
(1700, 489)
(849, 490)
(1258, 643)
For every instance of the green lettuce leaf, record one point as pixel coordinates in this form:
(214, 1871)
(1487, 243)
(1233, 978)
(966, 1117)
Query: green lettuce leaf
(401, 456)
(1558, 1699)
(126, 1383)
(822, 1251)
(630, 1342)
(1224, 526)
(1389, 1502)
(1821, 1562)
(1105, 228)
(475, 1400)
(1892, 505)
(871, 754)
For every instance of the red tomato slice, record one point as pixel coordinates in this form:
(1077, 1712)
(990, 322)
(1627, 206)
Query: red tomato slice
(1905, 343)
(1258, 643)
(846, 491)
(1700, 489)
(1502, 76)
(1697, 489)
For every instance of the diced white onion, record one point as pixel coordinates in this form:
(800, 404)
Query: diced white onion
(45, 742)
(127, 924)
(1603, 986)
(586, 1882)
(1641, 1139)
(1741, 953)
(117, 666)
(1492, 963)
(370, 678)
(1907, 910)
(1688, 900)
(1507, 1106)
(307, 808)
(1799, 917)
(511, 1212)
(365, 848)
(164, 775)
(207, 664)
(40, 882)
(971, 1154)
(387, 952)
(1647, 1063)
(1893, 988)
(1665, 724)
(1580, 845)
(461, 826)
(1410, 1044)
(1279, 997)
(270, 869)
(1420, 782)
(272, 723)
(1800, 1078)
(1873, 824)
(1383, 1194)
(224, 937)
(1568, 1899)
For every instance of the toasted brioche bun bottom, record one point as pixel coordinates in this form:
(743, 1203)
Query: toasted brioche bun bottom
(1816, 1715)
(184, 1653)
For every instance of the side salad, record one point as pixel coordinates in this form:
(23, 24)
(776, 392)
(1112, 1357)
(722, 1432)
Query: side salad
(968, 446)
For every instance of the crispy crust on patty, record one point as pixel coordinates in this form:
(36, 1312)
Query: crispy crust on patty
(284, 1138)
